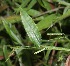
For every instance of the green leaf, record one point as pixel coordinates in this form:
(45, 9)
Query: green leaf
(44, 4)
(11, 32)
(6, 54)
(51, 19)
(46, 22)
(62, 2)
(66, 9)
(46, 57)
(24, 3)
(31, 4)
(33, 12)
(56, 48)
(52, 48)
(15, 31)
(30, 27)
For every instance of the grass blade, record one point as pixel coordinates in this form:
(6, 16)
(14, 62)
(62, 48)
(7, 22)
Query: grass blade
(30, 28)
(32, 3)
(46, 22)
(5, 51)
(52, 48)
(49, 21)
(25, 2)
(10, 32)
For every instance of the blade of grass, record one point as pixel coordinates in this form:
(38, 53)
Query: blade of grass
(52, 48)
(10, 32)
(31, 4)
(40, 2)
(46, 57)
(47, 5)
(48, 21)
(31, 28)
(24, 3)
(62, 2)
(6, 54)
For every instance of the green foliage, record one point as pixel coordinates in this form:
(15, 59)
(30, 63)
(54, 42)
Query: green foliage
(30, 28)
(6, 55)
(46, 22)
(9, 29)
(45, 4)
(34, 32)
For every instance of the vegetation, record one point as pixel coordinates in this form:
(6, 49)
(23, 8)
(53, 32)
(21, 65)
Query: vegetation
(34, 33)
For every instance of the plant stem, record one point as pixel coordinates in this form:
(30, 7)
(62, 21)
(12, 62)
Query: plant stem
(53, 10)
